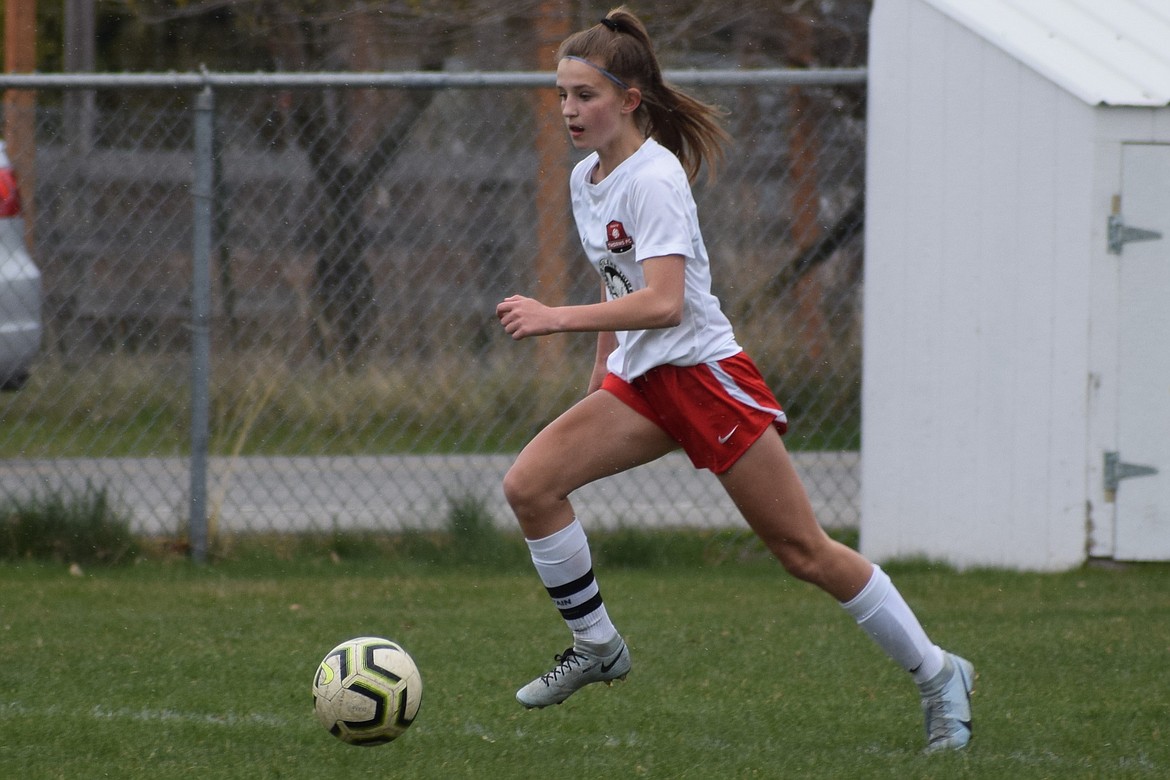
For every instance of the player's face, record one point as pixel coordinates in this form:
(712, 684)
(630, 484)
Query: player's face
(591, 106)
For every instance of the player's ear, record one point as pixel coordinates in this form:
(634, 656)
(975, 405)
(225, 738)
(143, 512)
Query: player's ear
(632, 100)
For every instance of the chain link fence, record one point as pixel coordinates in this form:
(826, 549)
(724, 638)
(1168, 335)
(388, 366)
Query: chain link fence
(269, 300)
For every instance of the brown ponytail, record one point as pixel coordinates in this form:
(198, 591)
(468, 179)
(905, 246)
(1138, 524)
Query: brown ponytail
(684, 125)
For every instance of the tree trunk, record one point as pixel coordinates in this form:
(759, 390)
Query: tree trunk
(20, 106)
(552, 183)
(804, 153)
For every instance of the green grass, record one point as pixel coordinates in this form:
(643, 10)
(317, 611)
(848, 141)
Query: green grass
(164, 670)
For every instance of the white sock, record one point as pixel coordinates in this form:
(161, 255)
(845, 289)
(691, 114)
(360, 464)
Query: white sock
(565, 567)
(882, 613)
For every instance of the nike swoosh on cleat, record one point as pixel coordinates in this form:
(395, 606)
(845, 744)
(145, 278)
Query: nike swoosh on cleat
(606, 667)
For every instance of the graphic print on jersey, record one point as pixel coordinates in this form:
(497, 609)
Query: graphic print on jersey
(616, 239)
(615, 281)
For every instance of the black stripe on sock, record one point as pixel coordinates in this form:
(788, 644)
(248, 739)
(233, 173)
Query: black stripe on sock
(581, 610)
(571, 588)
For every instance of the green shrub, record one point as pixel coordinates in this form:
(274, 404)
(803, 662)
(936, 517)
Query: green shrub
(78, 527)
(636, 548)
(474, 537)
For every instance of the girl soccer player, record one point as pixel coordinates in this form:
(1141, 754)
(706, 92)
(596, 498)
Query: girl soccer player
(668, 373)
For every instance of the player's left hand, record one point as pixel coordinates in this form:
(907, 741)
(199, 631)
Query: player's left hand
(523, 317)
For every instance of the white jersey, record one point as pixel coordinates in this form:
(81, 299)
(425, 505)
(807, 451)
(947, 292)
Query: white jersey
(643, 209)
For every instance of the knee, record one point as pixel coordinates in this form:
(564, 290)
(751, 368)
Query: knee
(800, 561)
(521, 488)
(809, 560)
(515, 486)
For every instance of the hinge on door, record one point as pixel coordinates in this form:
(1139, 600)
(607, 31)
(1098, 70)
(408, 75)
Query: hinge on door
(1121, 234)
(1115, 471)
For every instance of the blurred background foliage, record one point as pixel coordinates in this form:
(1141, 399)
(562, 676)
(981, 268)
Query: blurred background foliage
(314, 35)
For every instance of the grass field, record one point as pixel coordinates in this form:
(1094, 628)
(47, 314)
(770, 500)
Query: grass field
(164, 670)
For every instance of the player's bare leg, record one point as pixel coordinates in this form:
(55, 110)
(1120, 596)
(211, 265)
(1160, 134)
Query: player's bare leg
(768, 492)
(597, 437)
(766, 488)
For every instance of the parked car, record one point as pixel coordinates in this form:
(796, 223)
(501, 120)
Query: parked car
(20, 287)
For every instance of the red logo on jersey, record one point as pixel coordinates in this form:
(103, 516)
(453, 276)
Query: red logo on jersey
(616, 239)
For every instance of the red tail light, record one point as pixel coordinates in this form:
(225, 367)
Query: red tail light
(9, 194)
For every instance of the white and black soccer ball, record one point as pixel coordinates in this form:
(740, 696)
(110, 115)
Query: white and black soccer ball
(367, 691)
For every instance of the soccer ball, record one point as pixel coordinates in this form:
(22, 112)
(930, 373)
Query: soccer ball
(367, 691)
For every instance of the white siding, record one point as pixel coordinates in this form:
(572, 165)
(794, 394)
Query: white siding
(979, 218)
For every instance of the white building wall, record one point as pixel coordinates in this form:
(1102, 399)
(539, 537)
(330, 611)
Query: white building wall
(979, 218)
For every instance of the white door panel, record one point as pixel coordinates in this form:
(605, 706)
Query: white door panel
(1142, 525)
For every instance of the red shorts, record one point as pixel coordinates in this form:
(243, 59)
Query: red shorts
(715, 411)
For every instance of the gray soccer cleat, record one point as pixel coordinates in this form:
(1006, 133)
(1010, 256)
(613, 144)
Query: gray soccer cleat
(946, 702)
(577, 667)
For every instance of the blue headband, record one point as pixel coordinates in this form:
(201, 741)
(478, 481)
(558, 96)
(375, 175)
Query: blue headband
(599, 69)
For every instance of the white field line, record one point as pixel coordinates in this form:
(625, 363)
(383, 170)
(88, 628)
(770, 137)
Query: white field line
(148, 715)
(11, 710)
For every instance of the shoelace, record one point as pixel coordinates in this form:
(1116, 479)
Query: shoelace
(565, 662)
(940, 725)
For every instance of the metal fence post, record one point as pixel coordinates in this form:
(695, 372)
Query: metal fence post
(201, 319)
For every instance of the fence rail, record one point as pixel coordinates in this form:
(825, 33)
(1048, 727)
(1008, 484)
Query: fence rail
(277, 291)
(409, 79)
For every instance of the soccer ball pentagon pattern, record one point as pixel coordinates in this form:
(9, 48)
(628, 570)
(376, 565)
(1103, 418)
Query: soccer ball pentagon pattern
(367, 691)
